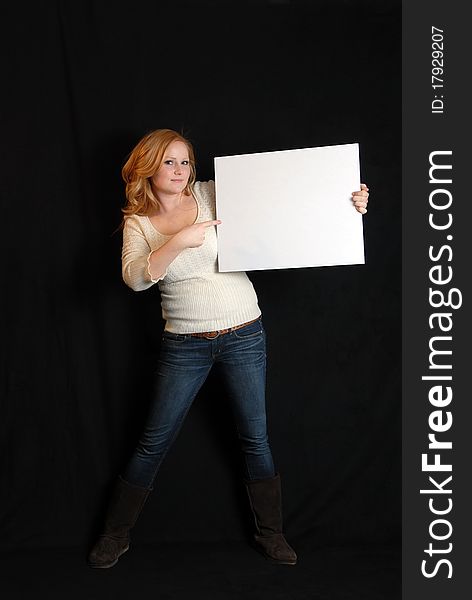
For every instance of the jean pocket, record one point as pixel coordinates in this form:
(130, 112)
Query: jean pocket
(168, 336)
(251, 330)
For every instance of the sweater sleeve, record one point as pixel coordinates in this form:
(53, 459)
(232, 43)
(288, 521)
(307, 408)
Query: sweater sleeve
(210, 189)
(135, 257)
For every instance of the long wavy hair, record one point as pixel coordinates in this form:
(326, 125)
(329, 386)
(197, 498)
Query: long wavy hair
(144, 160)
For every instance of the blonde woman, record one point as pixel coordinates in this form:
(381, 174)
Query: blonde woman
(211, 318)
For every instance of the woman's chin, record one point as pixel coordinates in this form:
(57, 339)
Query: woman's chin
(179, 187)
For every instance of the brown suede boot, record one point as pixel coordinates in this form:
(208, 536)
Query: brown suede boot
(125, 505)
(265, 498)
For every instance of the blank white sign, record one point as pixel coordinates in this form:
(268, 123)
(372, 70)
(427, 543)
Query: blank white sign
(288, 209)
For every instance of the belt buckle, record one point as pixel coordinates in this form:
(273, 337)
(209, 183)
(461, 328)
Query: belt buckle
(212, 337)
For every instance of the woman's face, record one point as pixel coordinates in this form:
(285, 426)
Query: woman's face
(172, 176)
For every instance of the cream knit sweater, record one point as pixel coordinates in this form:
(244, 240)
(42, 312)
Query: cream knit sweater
(195, 297)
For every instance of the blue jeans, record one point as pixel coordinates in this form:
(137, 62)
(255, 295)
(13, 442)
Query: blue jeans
(183, 365)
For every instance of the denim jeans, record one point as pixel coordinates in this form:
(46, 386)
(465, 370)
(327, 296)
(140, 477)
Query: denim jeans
(183, 365)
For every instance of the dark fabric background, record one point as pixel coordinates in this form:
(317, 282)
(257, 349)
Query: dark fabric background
(84, 81)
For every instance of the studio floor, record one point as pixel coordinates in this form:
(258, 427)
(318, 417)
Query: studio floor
(230, 571)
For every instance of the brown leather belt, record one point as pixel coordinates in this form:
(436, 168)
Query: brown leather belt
(215, 334)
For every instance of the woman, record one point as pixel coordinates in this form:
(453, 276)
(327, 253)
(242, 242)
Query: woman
(169, 238)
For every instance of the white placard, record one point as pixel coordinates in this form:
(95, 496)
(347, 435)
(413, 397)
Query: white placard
(288, 209)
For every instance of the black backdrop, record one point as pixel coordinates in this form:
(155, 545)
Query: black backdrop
(85, 80)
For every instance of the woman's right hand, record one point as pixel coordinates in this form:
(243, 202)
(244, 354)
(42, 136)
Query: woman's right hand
(193, 236)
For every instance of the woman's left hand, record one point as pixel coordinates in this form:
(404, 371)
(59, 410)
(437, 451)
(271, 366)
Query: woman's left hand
(361, 198)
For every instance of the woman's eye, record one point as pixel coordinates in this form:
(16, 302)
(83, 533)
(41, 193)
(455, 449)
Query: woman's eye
(185, 162)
